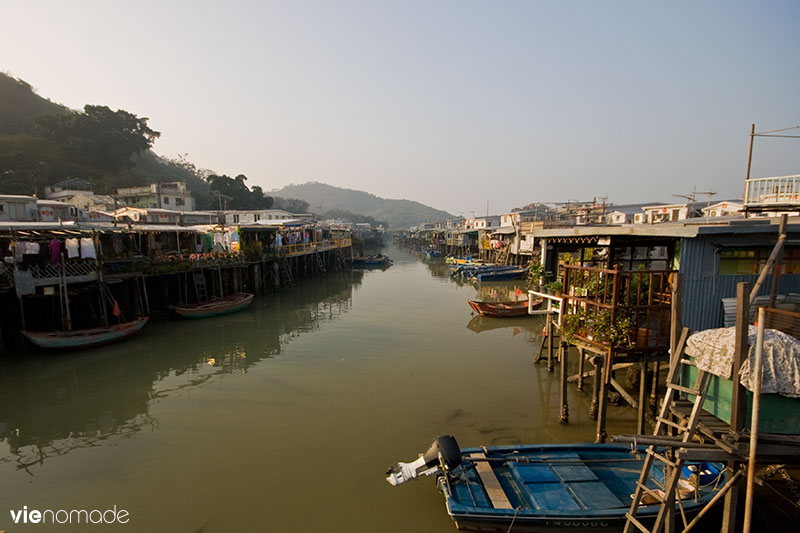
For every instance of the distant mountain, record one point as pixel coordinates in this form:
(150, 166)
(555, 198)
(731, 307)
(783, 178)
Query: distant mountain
(323, 198)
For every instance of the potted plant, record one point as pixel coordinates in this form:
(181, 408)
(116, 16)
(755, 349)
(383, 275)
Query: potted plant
(555, 287)
(535, 271)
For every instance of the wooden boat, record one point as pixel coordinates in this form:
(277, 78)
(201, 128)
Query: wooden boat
(83, 338)
(501, 275)
(548, 488)
(372, 261)
(218, 306)
(503, 309)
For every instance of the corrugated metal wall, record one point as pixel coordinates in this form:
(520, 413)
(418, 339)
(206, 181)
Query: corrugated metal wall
(704, 288)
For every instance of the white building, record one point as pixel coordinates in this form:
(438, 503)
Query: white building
(722, 209)
(18, 208)
(170, 195)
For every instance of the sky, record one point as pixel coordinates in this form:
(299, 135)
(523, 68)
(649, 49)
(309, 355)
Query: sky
(462, 105)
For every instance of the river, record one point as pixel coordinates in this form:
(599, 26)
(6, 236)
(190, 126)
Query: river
(283, 417)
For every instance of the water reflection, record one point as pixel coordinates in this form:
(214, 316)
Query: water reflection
(53, 404)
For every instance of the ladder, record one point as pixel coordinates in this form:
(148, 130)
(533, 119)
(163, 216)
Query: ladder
(673, 466)
(320, 263)
(286, 273)
(200, 291)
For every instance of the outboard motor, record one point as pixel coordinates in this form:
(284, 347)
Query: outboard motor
(444, 452)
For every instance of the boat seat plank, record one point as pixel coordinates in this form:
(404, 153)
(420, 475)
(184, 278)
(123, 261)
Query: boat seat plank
(534, 473)
(490, 482)
(552, 496)
(595, 495)
(575, 472)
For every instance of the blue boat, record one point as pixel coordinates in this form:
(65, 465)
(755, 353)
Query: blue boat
(372, 261)
(502, 275)
(549, 487)
(472, 270)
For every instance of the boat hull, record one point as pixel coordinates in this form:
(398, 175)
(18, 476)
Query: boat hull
(380, 261)
(502, 275)
(579, 487)
(220, 306)
(83, 338)
(502, 309)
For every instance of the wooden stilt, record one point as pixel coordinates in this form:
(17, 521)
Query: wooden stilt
(581, 362)
(597, 361)
(642, 414)
(563, 350)
(602, 405)
(65, 296)
(550, 329)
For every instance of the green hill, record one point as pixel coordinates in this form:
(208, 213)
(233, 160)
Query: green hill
(324, 198)
(29, 160)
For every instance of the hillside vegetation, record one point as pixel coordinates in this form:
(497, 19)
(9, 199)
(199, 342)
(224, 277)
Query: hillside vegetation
(324, 198)
(42, 143)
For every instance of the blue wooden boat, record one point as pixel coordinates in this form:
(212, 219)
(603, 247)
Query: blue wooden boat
(83, 338)
(218, 306)
(372, 261)
(472, 270)
(502, 275)
(548, 487)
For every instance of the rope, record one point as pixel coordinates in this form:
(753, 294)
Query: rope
(516, 511)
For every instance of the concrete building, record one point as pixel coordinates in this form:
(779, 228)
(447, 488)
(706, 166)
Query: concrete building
(171, 195)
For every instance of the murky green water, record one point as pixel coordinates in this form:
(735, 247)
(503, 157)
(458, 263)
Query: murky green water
(283, 417)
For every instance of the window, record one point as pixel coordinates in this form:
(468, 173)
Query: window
(180, 201)
(256, 217)
(750, 262)
(235, 219)
(166, 200)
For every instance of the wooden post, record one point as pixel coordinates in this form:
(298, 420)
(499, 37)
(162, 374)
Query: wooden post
(602, 405)
(750, 153)
(65, 296)
(597, 361)
(146, 298)
(564, 348)
(580, 368)
(654, 394)
(676, 309)
(642, 418)
(738, 396)
(751, 464)
(550, 329)
(776, 268)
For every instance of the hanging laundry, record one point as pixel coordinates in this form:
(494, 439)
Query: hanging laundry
(87, 248)
(72, 248)
(55, 250)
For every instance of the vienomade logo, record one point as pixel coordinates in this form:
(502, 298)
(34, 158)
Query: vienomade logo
(73, 516)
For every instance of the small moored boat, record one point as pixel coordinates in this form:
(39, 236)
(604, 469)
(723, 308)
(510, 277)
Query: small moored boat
(218, 306)
(83, 338)
(503, 309)
(549, 487)
(501, 275)
(372, 261)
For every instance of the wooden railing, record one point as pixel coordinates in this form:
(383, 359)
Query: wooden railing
(626, 310)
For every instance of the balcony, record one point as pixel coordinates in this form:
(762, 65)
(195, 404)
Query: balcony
(779, 193)
(624, 311)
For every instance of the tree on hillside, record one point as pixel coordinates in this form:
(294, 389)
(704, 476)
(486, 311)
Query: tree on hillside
(99, 137)
(292, 205)
(236, 193)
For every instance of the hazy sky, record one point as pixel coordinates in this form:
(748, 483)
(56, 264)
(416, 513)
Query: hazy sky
(451, 103)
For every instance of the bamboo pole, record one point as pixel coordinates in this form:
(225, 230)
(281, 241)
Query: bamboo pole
(65, 296)
(751, 463)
